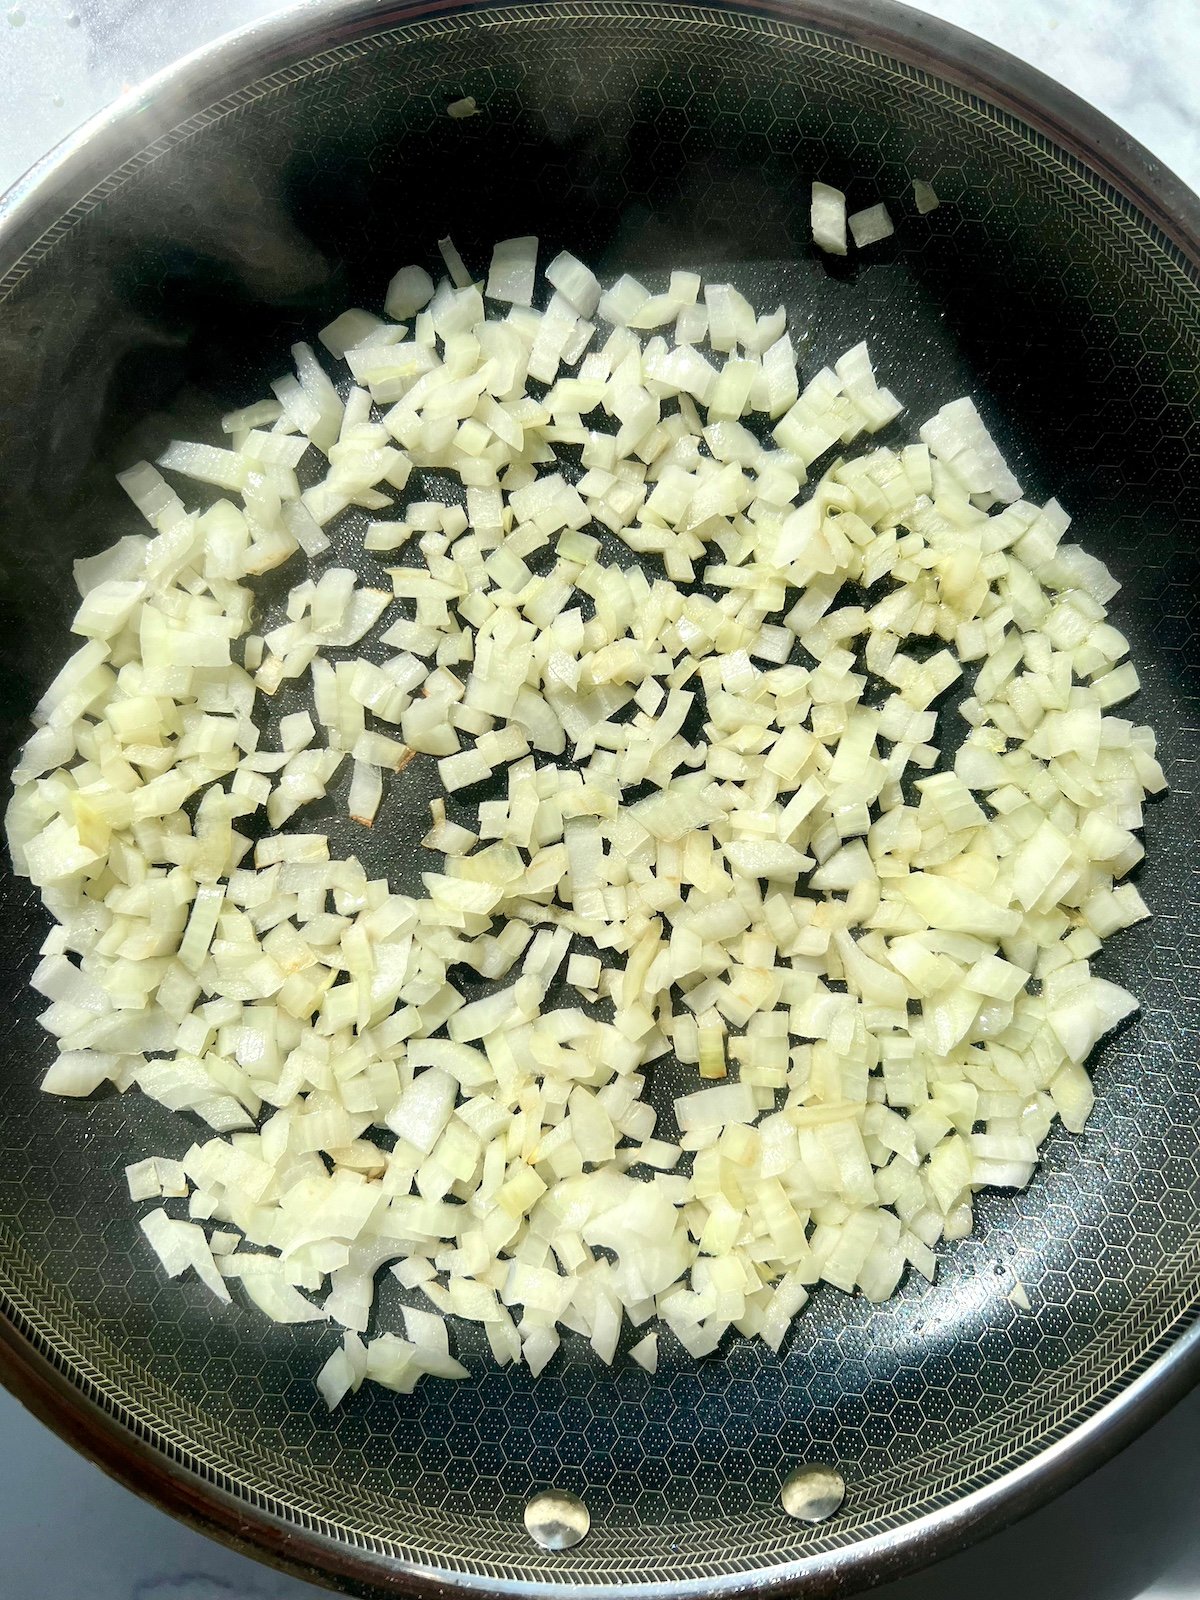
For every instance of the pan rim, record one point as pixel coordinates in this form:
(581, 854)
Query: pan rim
(916, 40)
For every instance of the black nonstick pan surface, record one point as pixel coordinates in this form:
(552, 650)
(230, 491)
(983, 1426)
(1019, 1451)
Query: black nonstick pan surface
(152, 275)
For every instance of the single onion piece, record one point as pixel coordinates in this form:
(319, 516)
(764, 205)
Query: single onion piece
(828, 216)
(512, 272)
(870, 225)
(409, 290)
(924, 197)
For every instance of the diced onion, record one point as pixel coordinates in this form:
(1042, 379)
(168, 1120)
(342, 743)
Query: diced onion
(924, 197)
(511, 277)
(871, 225)
(695, 808)
(829, 219)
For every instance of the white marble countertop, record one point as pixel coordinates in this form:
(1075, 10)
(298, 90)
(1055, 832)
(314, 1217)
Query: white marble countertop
(1137, 60)
(69, 1533)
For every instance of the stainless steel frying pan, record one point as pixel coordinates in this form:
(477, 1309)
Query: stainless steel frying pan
(151, 272)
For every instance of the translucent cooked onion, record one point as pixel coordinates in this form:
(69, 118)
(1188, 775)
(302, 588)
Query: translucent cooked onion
(717, 825)
(829, 219)
(870, 225)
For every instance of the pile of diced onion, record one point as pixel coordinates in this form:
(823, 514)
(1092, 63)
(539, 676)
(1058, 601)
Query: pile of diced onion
(719, 827)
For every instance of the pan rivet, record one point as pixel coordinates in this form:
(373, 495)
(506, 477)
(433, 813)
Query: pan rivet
(556, 1519)
(813, 1493)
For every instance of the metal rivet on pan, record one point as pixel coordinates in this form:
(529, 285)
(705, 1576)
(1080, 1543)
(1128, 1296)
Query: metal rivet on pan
(556, 1520)
(813, 1493)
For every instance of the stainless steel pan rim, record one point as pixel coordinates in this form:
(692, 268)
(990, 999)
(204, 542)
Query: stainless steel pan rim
(54, 1398)
(49, 1386)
